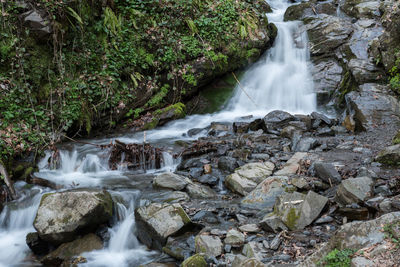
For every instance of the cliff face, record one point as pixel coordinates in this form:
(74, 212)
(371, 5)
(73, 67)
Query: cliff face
(70, 66)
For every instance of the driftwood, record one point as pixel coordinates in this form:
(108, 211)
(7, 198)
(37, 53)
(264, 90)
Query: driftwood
(135, 156)
(7, 181)
(42, 182)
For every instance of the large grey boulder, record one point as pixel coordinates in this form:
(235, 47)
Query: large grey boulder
(327, 172)
(327, 75)
(234, 238)
(263, 197)
(61, 215)
(247, 177)
(156, 222)
(209, 245)
(65, 253)
(170, 180)
(297, 210)
(354, 190)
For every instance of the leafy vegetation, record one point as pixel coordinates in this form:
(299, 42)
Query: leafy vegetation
(394, 73)
(338, 258)
(392, 231)
(107, 61)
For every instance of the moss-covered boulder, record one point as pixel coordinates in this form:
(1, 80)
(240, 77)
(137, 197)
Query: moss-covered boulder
(196, 260)
(162, 116)
(65, 253)
(156, 222)
(62, 216)
(209, 245)
(389, 155)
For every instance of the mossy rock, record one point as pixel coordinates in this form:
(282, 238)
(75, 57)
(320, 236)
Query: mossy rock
(196, 260)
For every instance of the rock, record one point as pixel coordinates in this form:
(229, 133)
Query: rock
(194, 131)
(263, 197)
(297, 210)
(200, 191)
(324, 219)
(276, 119)
(196, 260)
(327, 172)
(272, 223)
(361, 262)
(292, 165)
(308, 10)
(241, 127)
(247, 177)
(162, 116)
(300, 183)
(364, 70)
(249, 228)
(208, 179)
(176, 196)
(360, 9)
(38, 23)
(253, 250)
(156, 222)
(288, 131)
(354, 213)
(389, 155)
(354, 190)
(178, 247)
(321, 117)
(62, 215)
(210, 245)
(36, 244)
(305, 144)
(228, 164)
(170, 180)
(327, 75)
(242, 261)
(67, 251)
(276, 242)
(234, 238)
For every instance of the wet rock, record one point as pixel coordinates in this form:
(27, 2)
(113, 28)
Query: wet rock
(307, 10)
(170, 180)
(156, 222)
(177, 247)
(327, 172)
(292, 165)
(354, 213)
(61, 216)
(210, 245)
(289, 131)
(389, 155)
(38, 23)
(321, 117)
(326, 131)
(253, 250)
(249, 228)
(234, 238)
(324, 219)
(195, 172)
(276, 242)
(208, 179)
(228, 164)
(275, 120)
(364, 71)
(354, 190)
(260, 156)
(362, 262)
(194, 131)
(360, 9)
(247, 177)
(300, 183)
(200, 191)
(176, 196)
(241, 127)
(305, 144)
(67, 251)
(272, 223)
(196, 260)
(297, 210)
(242, 261)
(263, 197)
(36, 244)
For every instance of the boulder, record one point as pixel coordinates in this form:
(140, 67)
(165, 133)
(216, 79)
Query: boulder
(263, 197)
(37, 23)
(234, 238)
(354, 190)
(253, 250)
(170, 180)
(327, 75)
(196, 260)
(247, 177)
(362, 9)
(274, 121)
(249, 228)
(242, 261)
(327, 172)
(272, 223)
(61, 216)
(209, 245)
(292, 165)
(364, 71)
(305, 144)
(389, 155)
(179, 247)
(67, 251)
(156, 222)
(175, 196)
(36, 244)
(196, 190)
(228, 164)
(298, 210)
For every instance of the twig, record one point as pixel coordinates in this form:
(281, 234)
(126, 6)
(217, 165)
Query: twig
(87, 143)
(244, 91)
(7, 181)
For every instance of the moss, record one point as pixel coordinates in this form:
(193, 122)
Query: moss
(396, 139)
(291, 219)
(177, 253)
(151, 125)
(106, 198)
(347, 85)
(195, 261)
(183, 215)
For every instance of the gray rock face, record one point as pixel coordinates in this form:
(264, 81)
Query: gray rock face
(36, 22)
(156, 222)
(178, 247)
(292, 165)
(275, 120)
(61, 215)
(354, 190)
(196, 190)
(327, 172)
(234, 238)
(327, 76)
(263, 197)
(63, 255)
(305, 144)
(362, 9)
(210, 245)
(228, 164)
(389, 155)
(247, 177)
(364, 71)
(170, 180)
(253, 250)
(297, 210)
(272, 223)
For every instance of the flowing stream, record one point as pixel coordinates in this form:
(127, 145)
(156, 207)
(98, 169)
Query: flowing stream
(279, 80)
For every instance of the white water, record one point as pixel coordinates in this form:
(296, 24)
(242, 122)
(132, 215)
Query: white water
(280, 80)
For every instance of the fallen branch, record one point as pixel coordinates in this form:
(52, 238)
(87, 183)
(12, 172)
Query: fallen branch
(244, 91)
(7, 181)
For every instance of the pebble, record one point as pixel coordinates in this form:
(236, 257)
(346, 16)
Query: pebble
(275, 243)
(228, 248)
(266, 244)
(324, 219)
(313, 242)
(250, 228)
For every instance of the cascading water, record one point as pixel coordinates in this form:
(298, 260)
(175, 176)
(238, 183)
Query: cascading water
(280, 80)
